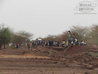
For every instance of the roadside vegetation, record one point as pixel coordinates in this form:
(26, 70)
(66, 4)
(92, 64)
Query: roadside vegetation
(88, 34)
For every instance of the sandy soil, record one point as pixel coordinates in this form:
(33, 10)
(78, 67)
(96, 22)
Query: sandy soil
(44, 60)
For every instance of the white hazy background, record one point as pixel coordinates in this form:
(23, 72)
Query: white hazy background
(43, 17)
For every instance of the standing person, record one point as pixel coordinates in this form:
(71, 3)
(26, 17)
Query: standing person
(69, 34)
(19, 45)
(16, 45)
(32, 44)
(76, 41)
(49, 43)
(67, 43)
(42, 43)
(63, 43)
(28, 45)
(58, 43)
(69, 38)
(73, 37)
(52, 43)
(45, 43)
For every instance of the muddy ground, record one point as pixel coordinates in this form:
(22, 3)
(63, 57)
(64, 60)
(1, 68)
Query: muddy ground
(48, 60)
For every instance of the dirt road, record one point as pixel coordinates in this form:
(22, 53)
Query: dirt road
(22, 61)
(36, 66)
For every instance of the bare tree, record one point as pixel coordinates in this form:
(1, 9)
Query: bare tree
(21, 37)
(80, 32)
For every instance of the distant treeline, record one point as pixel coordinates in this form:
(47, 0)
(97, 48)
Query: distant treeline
(88, 34)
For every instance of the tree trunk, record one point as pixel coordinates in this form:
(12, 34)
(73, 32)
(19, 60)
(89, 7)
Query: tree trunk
(4, 45)
(0, 47)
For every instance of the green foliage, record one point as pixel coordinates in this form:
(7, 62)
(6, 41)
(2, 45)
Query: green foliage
(5, 36)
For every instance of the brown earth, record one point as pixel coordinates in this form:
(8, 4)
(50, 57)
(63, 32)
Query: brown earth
(45, 60)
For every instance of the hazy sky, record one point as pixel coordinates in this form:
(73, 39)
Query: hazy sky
(44, 17)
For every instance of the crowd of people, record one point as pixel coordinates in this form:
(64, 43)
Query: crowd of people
(50, 43)
(38, 42)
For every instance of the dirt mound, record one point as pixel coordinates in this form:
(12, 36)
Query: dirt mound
(58, 48)
(84, 58)
(77, 49)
